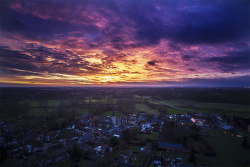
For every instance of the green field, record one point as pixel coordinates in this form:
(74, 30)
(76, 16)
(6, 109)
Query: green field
(173, 111)
(208, 106)
(229, 151)
(145, 108)
(117, 113)
(151, 136)
(226, 108)
(44, 107)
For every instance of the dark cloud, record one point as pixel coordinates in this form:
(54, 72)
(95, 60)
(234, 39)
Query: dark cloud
(191, 69)
(12, 61)
(37, 28)
(236, 60)
(196, 22)
(152, 63)
(174, 46)
(212, 22)
(186, 57)
(242, 81)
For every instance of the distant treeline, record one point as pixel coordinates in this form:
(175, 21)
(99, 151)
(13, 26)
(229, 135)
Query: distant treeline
(213, 95)
(217, 95)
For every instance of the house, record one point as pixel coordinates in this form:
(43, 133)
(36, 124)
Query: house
(156, 127)
(157, 161)
(170, 146)
(85, 138)
(146, 128)
(55, 153)
(100, 150)
(157, 120)
(117, 136)
(218, 117)
(185, 122)
(126, 158)
(71, 128)
(113, 120)
(198, 122)
(147, 149)
(227, 127)
(142, 113)
(107, 122)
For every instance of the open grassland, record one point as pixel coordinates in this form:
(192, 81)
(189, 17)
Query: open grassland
(117, 113)
(145, 108)
(226, 108)
(229, 150)
(173, 111)
(35, 107)
(150, 136)
(103, 100)
(208, 106)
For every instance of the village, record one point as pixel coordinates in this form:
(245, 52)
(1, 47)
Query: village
(138, 139)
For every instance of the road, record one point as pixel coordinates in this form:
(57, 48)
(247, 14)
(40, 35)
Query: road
(171, 106)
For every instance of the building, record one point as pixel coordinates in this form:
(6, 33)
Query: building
(170, 146)
(146, 128)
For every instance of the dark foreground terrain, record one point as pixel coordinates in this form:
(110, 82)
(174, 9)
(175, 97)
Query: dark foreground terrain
(118, 126)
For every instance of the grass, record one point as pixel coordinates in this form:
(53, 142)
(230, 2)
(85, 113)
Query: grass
(229, 151)
(104, 100)
(108, 100)
(10, 162)
(173, 111)
(145, 108)
(117, 113)
(139, 159)
(4, 116)
(65, 163)
(134, 148)
(229, 109)
(151, 136)
(219, 106)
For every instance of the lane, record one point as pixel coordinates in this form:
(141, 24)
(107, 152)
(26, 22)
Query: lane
(178, 108)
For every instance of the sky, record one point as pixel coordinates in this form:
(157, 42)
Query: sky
(125, 42)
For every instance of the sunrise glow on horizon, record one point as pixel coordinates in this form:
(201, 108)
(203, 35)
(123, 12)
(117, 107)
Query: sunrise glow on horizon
(116, 42)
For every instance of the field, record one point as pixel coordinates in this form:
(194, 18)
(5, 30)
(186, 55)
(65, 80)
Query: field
(229, 151)
(226, 108)
(208, 106)
(34, 107)
(145, 108)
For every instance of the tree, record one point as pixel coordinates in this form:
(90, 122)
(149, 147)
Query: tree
(3, 154)
(245, 142)
(129, 134)
(114, 141)
(192, 157)
(75, 153)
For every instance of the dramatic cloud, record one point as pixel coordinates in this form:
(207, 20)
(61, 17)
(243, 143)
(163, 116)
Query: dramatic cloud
(234, 61)
(81, 42)
(152, 63)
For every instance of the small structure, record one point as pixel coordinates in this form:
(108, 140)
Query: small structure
(71, 128)
(146, 128)
(170, 146)
(227, 127)
(85, 138)
(146, 150)
(126, 158)
(116, 135)
(100, 150)
(157, 161)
